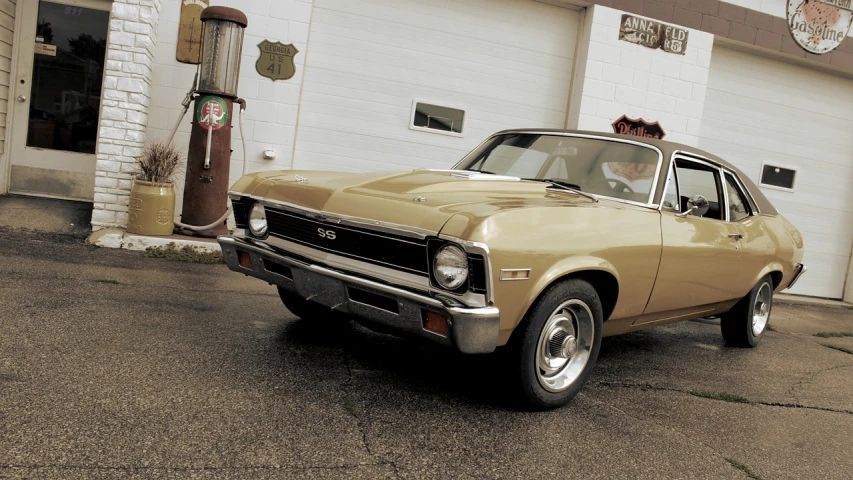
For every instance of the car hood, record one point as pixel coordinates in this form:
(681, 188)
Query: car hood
(423, 199)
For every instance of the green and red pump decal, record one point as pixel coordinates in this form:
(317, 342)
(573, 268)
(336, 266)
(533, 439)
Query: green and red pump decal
(212, 113)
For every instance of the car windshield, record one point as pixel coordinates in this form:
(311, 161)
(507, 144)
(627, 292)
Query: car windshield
(598, 166)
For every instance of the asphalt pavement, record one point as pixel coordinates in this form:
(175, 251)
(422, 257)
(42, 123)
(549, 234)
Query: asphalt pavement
(114, 365)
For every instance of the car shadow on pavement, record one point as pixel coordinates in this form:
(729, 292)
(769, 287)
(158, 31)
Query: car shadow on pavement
(412, 364)
(423, 368)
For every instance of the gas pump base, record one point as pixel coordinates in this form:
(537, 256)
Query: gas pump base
(208, 164)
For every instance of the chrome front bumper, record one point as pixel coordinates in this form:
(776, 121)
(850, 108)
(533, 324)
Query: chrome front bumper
(471, 330)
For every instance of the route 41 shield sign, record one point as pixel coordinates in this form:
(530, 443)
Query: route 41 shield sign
(276, 60)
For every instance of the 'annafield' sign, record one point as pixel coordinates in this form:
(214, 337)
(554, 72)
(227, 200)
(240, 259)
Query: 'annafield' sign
(652, 34)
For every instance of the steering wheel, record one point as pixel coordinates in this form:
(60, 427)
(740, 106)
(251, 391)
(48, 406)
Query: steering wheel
(620, 185)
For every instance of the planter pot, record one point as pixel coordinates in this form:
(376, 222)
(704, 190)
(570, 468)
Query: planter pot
(152, 208)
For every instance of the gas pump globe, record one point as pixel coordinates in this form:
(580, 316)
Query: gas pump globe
(222, 43)
(209, 155)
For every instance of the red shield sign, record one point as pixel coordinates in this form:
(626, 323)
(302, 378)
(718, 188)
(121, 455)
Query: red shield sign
(638, 127)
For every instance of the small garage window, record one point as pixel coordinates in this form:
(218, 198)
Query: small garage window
(437, 118)
(779, 177)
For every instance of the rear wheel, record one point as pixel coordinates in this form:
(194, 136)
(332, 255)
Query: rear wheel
(556, 346)
(745, 324)
(308, 310)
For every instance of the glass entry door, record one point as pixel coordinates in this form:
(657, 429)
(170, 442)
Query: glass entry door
(56, 97)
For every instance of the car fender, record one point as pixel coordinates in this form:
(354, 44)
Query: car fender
(566, 267)
(775, 266)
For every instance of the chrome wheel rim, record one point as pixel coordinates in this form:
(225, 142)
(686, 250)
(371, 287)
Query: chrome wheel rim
(761, 309)
(564, 347)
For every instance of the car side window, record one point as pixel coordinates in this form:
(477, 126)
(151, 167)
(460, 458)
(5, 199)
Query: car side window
(738, 206)
(698, 179)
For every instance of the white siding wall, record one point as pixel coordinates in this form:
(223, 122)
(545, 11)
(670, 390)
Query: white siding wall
(507, 63)
(624, 78)
(764, 110)
(7, 30)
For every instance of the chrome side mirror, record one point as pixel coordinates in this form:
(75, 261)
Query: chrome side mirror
(698, 207)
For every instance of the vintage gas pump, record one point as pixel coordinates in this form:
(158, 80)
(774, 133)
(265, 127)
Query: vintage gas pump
(209, 156)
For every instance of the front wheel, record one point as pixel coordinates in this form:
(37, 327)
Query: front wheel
(746, 322)
(557, 344)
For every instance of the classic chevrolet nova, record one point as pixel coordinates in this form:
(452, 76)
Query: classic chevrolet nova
(538, 242)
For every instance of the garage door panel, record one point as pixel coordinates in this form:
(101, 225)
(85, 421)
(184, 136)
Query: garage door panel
(352, 151)
(347, 111)
(785, 101)
(779, 83)
(457, 81)
(393, 93)
(448, 44)
(506, 63)
(780, 128)
(764, 110)
(523, 24)
(760, 144)
(431, 57)
(378, 144)
(371, 153)
(775, 128)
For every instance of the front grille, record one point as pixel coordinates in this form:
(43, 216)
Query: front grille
(241, 217)
(361, 244)
(477, 273)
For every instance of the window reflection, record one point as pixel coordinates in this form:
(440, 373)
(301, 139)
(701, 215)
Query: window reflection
(68, 67)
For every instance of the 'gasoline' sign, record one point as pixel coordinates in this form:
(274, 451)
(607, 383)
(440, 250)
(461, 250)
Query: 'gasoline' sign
(819, 26)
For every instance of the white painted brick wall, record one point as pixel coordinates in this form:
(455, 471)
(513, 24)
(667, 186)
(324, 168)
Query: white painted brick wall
(270, 118)
(625, 78)
(124, 108)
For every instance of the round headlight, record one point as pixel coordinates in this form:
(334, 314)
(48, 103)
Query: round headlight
(450, 267)
(258, 220)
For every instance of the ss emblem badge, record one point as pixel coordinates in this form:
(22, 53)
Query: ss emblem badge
(330, 234)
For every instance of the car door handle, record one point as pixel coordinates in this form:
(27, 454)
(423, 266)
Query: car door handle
(736, 236)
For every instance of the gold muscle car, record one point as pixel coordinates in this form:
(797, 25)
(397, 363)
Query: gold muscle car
(539, 243)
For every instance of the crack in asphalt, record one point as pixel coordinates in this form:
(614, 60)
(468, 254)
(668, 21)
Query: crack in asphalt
(648, 386)
(665, 427)
(809, 376)
(294, 467)
(362, 426)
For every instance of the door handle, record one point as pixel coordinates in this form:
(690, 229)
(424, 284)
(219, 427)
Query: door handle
(22, 98)
(736, 236)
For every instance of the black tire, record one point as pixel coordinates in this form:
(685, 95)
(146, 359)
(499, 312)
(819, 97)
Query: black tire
(528, 380)
(307, 310)
(737, 324)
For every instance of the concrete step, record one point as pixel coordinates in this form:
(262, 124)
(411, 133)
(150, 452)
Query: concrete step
(45, 215)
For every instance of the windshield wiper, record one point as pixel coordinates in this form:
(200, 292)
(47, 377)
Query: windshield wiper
(479, 171)
(566, 186)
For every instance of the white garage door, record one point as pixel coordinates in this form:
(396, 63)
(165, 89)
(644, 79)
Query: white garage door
(760, 110)
(506, 63)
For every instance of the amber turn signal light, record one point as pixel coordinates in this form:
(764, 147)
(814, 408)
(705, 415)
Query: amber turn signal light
(435, 323)
(244, 259)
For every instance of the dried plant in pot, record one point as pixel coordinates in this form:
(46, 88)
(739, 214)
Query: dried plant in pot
(152, 194)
